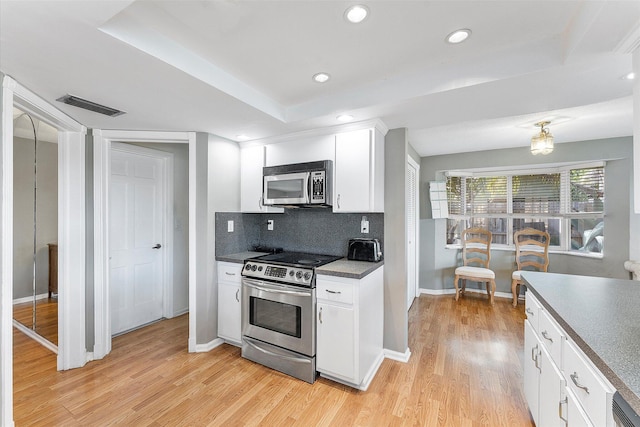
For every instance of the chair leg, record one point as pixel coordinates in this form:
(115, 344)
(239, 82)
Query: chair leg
(493, 290)
(455, 284)
(464, 285)
(514, 291)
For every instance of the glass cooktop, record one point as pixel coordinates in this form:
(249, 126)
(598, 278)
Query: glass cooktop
(301, 259)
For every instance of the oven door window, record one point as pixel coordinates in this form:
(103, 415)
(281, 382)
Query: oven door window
(276, 316)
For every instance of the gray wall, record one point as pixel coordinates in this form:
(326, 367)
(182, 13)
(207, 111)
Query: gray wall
(47, 214)
(438, 263)
(396, 334)
(317, 230)
(180, 221)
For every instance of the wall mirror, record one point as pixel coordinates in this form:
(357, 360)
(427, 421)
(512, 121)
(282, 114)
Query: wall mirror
(35, 230)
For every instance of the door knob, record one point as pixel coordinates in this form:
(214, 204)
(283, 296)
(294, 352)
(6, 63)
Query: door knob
(157, 246)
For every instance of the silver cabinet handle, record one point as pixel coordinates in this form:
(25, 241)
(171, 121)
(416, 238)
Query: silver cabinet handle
(574, 378)
(157, 246)
(238, 295)
(333, 292)
(545, 334)
(529, 311)
(259, 203)
(320, 315)
(338, 201)
(229, 274)
(563, 402)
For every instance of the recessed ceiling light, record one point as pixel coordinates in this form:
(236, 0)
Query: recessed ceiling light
(321, 77)
(356, 14)
(242, 137)
(630, 76)
(345, 117)
(458, 36)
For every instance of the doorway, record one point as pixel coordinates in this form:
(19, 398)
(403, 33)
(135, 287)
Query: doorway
(140, 236)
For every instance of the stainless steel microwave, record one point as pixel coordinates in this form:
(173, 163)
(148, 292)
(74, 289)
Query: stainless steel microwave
(298, 185)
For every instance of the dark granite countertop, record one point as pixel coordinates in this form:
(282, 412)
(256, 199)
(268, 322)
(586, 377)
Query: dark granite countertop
(602, 317)
(239, 257)
(350, 269)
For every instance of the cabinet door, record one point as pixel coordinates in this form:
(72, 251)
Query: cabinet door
(336, 341)
(251, 164)
(229, 311)
(531, 372)
(353, 177)
(550, 394)
(576, 417)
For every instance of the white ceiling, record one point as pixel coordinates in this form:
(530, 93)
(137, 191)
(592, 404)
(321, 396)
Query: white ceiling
(244, 67)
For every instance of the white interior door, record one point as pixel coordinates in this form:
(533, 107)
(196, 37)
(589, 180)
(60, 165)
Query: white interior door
(412, 232)
(135, 239)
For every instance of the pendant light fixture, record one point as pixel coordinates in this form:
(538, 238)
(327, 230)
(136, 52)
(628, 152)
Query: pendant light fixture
(542, 142)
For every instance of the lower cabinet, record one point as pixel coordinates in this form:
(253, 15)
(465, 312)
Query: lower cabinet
(349, 327)
(229, 302)
(561, 385)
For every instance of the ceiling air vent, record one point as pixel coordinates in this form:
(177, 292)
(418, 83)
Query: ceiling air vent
(91, 106)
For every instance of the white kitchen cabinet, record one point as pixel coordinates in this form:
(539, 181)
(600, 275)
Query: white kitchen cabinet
(561, 385)
(350, 328)
(359, 171)
(252, 160)
(229, 302)
(301, 150)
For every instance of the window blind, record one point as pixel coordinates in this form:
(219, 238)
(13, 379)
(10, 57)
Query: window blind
(587, 190)
(536, 194)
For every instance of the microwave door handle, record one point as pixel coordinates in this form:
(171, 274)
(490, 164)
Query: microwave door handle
(309, 182)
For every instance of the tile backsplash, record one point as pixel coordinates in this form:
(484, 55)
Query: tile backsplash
(314, 230)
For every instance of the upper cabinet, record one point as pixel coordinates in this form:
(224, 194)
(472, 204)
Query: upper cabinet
(300, 150)
(359, 171)
(252, 160)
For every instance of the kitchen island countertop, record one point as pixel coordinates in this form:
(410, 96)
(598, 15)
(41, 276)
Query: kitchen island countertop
(601, 316)
(350, 269)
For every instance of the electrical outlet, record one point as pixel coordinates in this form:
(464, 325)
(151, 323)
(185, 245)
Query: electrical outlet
(364, 225)
(270, 224)
(230, 226)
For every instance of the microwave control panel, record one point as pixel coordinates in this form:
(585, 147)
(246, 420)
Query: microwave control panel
(318, 193)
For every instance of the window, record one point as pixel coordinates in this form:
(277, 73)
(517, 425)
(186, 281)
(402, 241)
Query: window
(567, 202)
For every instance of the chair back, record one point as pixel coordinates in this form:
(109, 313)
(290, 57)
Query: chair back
(532, 249)
(476, 247)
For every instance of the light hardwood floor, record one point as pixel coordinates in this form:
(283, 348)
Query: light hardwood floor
(46, 319)
(465, 370)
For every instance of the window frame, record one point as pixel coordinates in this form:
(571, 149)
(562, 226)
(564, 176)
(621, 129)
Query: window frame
(565, 216)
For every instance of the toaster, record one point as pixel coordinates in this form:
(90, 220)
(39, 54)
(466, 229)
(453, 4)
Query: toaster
(364, 250)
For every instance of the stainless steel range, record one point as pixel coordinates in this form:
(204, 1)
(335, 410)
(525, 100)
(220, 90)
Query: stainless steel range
(278, 312)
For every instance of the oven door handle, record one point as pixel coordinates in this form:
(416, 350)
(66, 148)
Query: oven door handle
(282, 356)
(273, 289)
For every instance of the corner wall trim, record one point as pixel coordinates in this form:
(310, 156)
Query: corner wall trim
(397, 356)
(203, 348)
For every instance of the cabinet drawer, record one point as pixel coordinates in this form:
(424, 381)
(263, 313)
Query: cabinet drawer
(551, 336)
(592, 391)
(229, 272)
(532, 309)
(328, 290)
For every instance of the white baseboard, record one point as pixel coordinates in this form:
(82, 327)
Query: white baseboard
(181, 312)
(396, 355)
(29, 299)
(506, 295)
(34, 336)
(203, 348)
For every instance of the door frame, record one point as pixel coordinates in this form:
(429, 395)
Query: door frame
(166, 179)
(103, 140)
(416, 238)
(72, 351)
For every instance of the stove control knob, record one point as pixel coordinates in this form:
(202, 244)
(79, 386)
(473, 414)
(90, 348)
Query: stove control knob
(307, 276)
(247, 267)
(253, 267)
(291, 273)
(260, 268)
(298, 274)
